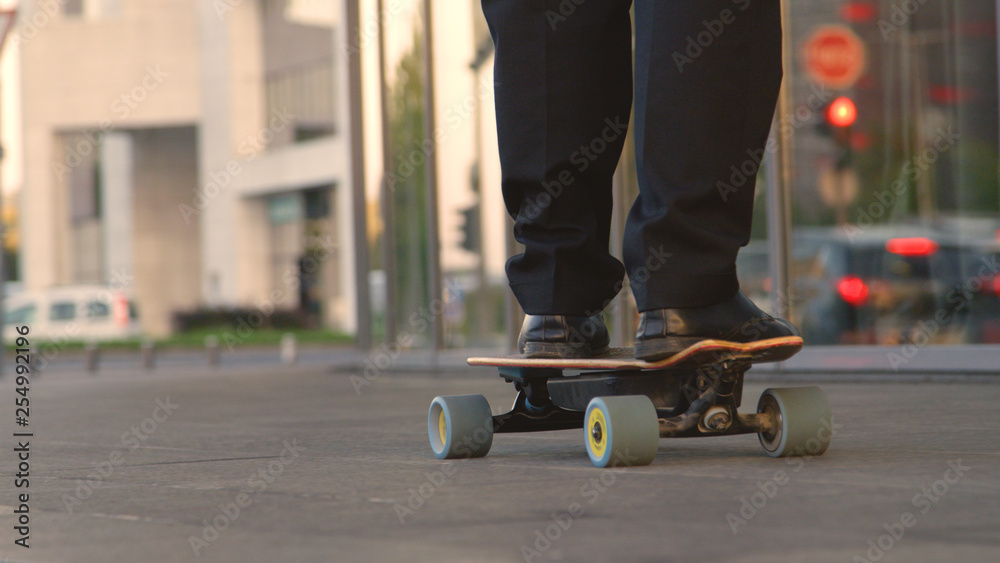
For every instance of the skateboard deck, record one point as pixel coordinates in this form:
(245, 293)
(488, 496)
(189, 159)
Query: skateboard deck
(703, 353)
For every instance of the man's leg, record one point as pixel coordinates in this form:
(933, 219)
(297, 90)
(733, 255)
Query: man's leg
(563, 96)
(707, 80)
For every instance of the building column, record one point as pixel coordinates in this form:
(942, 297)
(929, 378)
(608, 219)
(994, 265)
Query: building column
(117, 203)
(214, 198)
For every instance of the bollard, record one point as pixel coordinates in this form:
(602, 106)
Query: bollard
(148, 354)
(93, 356)
(212, 350)
(289, 349)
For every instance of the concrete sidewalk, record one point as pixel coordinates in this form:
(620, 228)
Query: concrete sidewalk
(273, 463)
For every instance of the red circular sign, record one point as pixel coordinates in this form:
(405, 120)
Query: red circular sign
(834, 56)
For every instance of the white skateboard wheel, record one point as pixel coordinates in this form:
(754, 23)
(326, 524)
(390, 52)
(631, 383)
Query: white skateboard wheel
(804, 422)
(460, 426)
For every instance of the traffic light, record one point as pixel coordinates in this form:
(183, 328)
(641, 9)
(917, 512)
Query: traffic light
(471, 230)
(841, 112)
(838, 117)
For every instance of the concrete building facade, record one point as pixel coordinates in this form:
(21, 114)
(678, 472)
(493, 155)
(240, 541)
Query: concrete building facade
(192, 151)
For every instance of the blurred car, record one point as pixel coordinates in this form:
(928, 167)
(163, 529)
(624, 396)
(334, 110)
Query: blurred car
(891, 285)
(885, 285)
(71, 313)
(981, 286)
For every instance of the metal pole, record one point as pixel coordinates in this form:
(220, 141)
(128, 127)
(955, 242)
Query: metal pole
(7, 17)
(358, 197)
(388, 230)
(3, 270)
(147, 353)
(92, 356)
(514, 314)
(619, 305)
(481, 306)
(430, 121)
(777, 170)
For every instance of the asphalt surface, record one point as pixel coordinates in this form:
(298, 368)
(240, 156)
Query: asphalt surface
(271, 463)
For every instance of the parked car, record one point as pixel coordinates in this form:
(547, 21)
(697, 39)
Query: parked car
(885, 285)
(71, 313)
(981, 281)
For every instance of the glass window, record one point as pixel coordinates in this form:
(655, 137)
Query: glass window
(62, 311)
(72, 7)
(22, 315)
(98, 310)
(297, 41)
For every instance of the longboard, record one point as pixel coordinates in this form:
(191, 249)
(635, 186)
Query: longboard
(626, 405)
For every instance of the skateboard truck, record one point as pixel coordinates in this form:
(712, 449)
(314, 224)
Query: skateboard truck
(525, 416)
(716, 388)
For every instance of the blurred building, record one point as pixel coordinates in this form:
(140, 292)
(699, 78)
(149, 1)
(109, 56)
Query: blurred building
(201, 147)
(191, 150)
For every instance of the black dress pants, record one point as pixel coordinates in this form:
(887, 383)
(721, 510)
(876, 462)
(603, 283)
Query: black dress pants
(707, 74)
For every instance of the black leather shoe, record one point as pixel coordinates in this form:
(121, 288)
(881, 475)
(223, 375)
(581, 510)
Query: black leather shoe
(561, 336)
(664, 332)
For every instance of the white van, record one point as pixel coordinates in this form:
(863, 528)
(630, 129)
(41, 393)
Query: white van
(71, 313)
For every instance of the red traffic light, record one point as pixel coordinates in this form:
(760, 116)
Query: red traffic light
(858, 12)
(841, 112)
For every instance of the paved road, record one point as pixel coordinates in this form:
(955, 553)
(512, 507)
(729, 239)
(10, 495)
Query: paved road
(291, 464)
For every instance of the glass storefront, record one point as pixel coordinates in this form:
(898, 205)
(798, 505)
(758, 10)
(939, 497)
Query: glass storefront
(888, 128)
(369, 126)
(891, 128)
